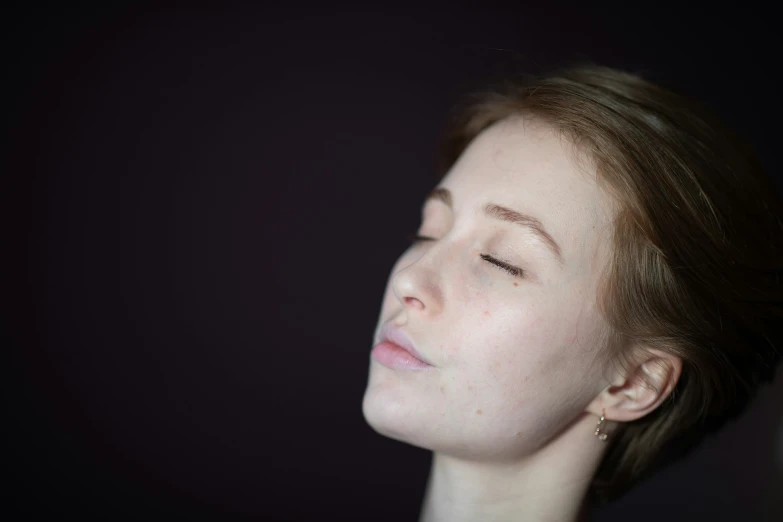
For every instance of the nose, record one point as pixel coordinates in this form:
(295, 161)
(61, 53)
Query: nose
(418, 286)
(413, 302)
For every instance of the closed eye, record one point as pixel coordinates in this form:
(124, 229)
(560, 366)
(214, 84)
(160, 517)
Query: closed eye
(514, 271)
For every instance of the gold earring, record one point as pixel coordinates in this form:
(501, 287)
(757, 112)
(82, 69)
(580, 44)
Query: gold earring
(601, 436)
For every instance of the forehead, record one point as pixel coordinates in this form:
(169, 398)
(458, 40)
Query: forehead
(527, 166)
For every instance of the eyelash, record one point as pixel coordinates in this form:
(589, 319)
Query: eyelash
(516, 272)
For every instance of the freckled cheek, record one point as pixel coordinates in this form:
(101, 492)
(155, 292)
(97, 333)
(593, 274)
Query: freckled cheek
(494, 394)
(530, 347)
(551, 358)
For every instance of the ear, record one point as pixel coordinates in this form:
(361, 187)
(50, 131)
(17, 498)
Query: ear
(641, 388)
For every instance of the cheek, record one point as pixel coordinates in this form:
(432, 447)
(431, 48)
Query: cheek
(521, 356)
(519, 385)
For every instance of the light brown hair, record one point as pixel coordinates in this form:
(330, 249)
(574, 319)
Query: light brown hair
(697, 247)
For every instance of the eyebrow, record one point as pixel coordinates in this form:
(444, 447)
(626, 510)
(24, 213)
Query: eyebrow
(505, 214)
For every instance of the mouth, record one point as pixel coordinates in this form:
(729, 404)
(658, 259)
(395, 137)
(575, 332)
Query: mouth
(400, 345)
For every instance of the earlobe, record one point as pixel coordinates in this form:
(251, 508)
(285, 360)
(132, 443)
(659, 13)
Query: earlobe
(642, 388)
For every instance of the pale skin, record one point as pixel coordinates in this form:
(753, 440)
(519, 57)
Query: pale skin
(520, 375)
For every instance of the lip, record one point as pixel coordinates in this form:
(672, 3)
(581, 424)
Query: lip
(394, 335)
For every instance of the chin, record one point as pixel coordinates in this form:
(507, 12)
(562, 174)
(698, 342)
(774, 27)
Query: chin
(388, 415)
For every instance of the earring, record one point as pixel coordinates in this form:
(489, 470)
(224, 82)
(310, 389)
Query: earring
(601, 436)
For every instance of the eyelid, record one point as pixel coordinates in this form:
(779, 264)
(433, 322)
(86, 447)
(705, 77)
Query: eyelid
(514, 271)
(510, 269)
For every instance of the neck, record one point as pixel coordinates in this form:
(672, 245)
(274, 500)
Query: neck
(548, 485)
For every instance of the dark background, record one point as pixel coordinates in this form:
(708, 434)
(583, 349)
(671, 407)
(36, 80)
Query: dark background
(208, 203)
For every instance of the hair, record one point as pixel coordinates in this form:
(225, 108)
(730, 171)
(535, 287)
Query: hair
(697, 241)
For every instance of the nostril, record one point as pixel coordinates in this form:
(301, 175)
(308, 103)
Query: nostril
(414, 302)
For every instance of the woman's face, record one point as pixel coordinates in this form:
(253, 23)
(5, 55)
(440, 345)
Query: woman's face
(515, 357)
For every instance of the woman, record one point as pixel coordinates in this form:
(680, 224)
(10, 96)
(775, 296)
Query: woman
(595, 285)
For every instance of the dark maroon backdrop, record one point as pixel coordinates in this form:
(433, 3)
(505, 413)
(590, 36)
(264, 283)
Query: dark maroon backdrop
(208, 203)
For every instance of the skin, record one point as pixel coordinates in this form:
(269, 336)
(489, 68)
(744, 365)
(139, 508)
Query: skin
(519, 373)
